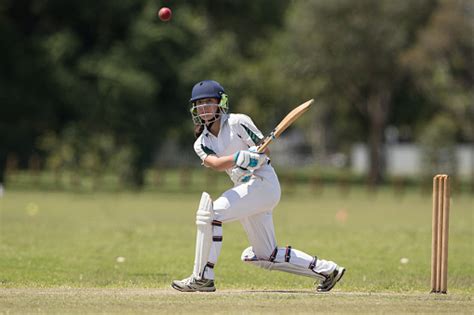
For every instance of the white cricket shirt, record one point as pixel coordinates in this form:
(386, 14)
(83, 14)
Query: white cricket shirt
(237, 132)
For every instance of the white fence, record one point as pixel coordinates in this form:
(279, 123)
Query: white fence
(406, 159)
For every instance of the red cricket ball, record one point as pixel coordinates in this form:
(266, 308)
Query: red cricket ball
(164, 14)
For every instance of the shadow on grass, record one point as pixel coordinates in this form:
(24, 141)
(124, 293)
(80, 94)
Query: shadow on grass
(282, 291)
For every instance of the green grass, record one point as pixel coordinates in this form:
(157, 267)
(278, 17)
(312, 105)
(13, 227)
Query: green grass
(61, 241)
(133, 301)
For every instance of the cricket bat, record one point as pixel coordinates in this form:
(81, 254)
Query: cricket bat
(285, 123)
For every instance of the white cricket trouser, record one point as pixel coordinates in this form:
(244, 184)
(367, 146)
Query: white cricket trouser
(252, 204)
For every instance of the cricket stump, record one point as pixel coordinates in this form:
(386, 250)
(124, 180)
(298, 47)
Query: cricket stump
(440, 234)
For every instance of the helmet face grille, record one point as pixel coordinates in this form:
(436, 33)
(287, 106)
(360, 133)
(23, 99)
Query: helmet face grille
(197, 120)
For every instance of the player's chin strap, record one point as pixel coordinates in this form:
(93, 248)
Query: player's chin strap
(208, 239)
(217, 116)
(285, 259)
(209, 126)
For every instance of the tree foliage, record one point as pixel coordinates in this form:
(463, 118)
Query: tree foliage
(112, 78)
(442, 65)
(350, 57)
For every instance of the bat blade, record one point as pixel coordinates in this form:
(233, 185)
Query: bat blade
(284, 124)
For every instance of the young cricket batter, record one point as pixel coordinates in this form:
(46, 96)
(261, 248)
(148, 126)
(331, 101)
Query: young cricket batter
(227, 142)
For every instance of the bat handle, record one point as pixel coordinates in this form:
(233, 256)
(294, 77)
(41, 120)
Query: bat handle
(266, 142)
(261, 148)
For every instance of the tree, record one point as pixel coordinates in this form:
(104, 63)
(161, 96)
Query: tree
(349, 54)
(442, 67)
(110, 67)
(103, 67)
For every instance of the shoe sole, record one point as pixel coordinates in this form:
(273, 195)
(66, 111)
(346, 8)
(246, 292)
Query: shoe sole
(176, 287)
(338, 277)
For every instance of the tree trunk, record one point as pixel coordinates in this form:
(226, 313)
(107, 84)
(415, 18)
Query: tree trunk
(378, 108)
(137, 172)
(376, 153)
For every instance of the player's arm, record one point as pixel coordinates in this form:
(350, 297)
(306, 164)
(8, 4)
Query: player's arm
(219, 163)
(209, 157)
(244, 159)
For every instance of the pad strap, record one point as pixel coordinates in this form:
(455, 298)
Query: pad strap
(273, 255)
(216, 223)
(216, 238)
(288, 253)
(210, 265)
(313, 263)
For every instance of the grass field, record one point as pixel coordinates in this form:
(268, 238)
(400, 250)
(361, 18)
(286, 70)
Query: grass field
(63, 252)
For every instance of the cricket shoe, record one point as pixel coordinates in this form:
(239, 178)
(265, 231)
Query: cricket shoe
(331, 280)
(192, 284)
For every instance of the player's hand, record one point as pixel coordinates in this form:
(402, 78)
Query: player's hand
(249, 160)
(239, 175)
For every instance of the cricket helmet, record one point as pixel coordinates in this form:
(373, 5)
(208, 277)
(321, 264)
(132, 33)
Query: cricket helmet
(208, 89)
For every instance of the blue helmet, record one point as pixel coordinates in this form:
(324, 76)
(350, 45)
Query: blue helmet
(206, 89)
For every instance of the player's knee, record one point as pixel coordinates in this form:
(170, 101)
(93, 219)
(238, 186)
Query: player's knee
(248, 255)
(205, 212)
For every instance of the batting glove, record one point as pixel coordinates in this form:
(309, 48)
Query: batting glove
(249, 160)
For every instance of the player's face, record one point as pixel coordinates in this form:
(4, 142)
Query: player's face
(206, 108)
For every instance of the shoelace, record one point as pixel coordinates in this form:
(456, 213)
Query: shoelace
(188, 281)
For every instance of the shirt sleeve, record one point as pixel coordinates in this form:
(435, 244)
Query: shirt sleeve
(202, 149)
(249, 133)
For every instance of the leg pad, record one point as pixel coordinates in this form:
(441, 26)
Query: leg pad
(249, 256)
